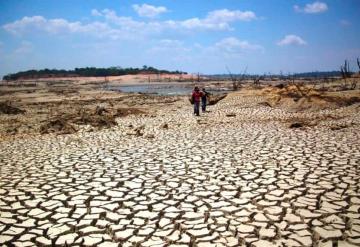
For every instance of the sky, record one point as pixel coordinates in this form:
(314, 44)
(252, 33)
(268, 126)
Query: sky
(196, 36)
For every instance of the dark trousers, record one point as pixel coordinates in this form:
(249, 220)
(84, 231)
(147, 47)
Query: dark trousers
(196, 108)
(203, 105)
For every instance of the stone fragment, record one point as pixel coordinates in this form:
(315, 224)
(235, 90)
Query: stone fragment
(245, 228)
(267, 233)
(57, 230)
(262, 243)
(328, 234)
(43, 241)
(199, 233)
(66, 239)
(123, 235)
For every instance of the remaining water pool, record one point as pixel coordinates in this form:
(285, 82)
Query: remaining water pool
(159, 89)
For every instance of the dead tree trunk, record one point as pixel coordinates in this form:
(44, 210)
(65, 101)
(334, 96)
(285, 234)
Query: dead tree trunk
(345, 73)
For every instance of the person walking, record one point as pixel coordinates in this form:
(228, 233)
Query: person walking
(204, 98)
(196, 96)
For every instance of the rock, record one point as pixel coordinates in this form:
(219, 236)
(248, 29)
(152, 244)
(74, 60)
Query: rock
(328, 234)
(199, 233)
(68, 239)
(245, 228)
(267, 233)
(262, 243)
(123, 235)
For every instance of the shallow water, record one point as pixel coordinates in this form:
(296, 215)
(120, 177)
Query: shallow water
(159, 89)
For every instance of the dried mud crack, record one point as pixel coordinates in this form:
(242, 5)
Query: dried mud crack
(245, 180)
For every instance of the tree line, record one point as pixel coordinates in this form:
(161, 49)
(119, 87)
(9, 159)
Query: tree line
(88, 71)
(316, 74)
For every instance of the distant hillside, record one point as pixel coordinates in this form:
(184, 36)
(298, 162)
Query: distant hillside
(88, 71)
(316, 74)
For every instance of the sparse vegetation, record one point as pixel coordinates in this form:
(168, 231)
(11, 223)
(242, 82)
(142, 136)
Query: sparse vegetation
(7, 108)
(346, 76)
(345, 72)
(299, 97)
(237, 81)
(100, 117)
(214, 99)
(256, 81)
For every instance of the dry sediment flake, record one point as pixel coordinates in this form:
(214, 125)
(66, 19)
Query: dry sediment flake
(232, 181)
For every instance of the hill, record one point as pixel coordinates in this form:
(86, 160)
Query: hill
(84, 72)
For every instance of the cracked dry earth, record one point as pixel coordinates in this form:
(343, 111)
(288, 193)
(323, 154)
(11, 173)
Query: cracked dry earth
(216, 180)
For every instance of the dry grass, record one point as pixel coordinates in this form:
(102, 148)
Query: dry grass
(65, 123)
(7, 108)
(301, 98)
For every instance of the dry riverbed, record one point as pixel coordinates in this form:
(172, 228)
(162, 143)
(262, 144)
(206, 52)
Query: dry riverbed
(263, 167)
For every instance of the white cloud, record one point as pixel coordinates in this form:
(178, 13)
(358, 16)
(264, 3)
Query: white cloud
(24, 48)
(127, 23)
(171, 50)
(38, 22)
(215, 20)
(170, 42)
(291, 39)
(297, 8)
(121, 27)
(95, 12)
(58, 26)
(218, 19)
(114, 27)
(146, 10)
(312, 8)
(234, 45)
(316, 7)
(228, 48)
(225, 15)
(345, 23)
(22, 25)
(170, 46)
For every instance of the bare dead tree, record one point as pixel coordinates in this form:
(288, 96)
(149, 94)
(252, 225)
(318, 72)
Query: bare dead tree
(270, 76)
(256, 80)
(242, 78)
(345, 70)
(291, 78)
(353, 84)
(358, 63)
(324, 81)
(230, 74)
(237, 81)
(281, 76)
(233, 79)
(346, 74)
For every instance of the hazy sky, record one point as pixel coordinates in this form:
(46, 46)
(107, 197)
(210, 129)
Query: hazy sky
(191, 35)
